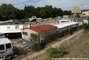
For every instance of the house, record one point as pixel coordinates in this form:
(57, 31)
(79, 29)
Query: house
(13, 31)
(43, 31)
(6, 47)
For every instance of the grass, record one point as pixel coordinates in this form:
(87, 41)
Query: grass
(79, 48)
(86, 43)
(56, 52)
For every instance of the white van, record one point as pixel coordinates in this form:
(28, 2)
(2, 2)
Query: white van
(6, 47)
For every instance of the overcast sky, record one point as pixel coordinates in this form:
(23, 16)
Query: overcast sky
(64, 4)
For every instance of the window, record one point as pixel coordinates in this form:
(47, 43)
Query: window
(8, 46)
(8, 27)
(25, 26)
(16, 27)
(25, 33)
(1, 47)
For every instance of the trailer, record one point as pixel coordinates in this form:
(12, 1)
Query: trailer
(63, 28)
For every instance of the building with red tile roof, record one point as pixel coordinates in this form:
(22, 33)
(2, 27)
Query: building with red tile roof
(42, 28)
(44, 31)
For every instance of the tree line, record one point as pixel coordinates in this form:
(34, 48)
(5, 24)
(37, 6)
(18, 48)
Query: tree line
(8, 11)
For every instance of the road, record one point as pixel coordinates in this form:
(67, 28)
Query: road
(31, 57)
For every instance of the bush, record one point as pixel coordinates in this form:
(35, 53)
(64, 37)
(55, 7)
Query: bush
(37, 47)
(25, 20)
(70, 30)
(85, 26)
(16, 50)
(57, 52)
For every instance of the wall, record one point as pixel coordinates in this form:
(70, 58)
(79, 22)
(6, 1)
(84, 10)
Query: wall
(11, 31)
(12, 27)
(47, 34)
(29, 32)
(43, 35)
(62, 29)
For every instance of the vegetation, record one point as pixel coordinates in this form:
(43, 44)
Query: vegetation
(25, 20)
(85, 26)
(35, 39)
(70, 30)
(78, 15)
(56, 52)
(36, 46)
(17, 50)
(8, 11)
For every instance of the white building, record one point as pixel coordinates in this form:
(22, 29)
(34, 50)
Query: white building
(64, 26)
(5, 47)
(14, 30)
(85, 14)
(79, 20)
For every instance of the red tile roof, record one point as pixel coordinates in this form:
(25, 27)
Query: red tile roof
(42, 28)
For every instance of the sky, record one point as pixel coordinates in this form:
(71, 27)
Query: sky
(63, 4)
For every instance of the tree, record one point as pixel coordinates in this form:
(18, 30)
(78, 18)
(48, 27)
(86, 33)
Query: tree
(7, 11)
(67, 12)
(30, 11)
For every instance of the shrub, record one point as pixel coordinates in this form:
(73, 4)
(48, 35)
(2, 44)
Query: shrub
(17, 50)
(70, 30)
(35, 39)
(25, 20)
(56, 52)
(37, 47)
(85, 26)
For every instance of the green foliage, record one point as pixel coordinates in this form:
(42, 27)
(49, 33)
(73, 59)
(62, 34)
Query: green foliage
(25, 20)
(67, 12)
(70, 30)
(57, 52)
(86, 26)
(78, 16)
(36, 47)
(17, 50)
(8, 11)
(35, 39)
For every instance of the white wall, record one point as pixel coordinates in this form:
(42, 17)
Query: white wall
(12, 27)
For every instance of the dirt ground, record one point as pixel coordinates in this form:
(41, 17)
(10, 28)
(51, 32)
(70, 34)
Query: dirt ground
(79, 48)
(42, 55)
(77, 44)
(45, 22)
